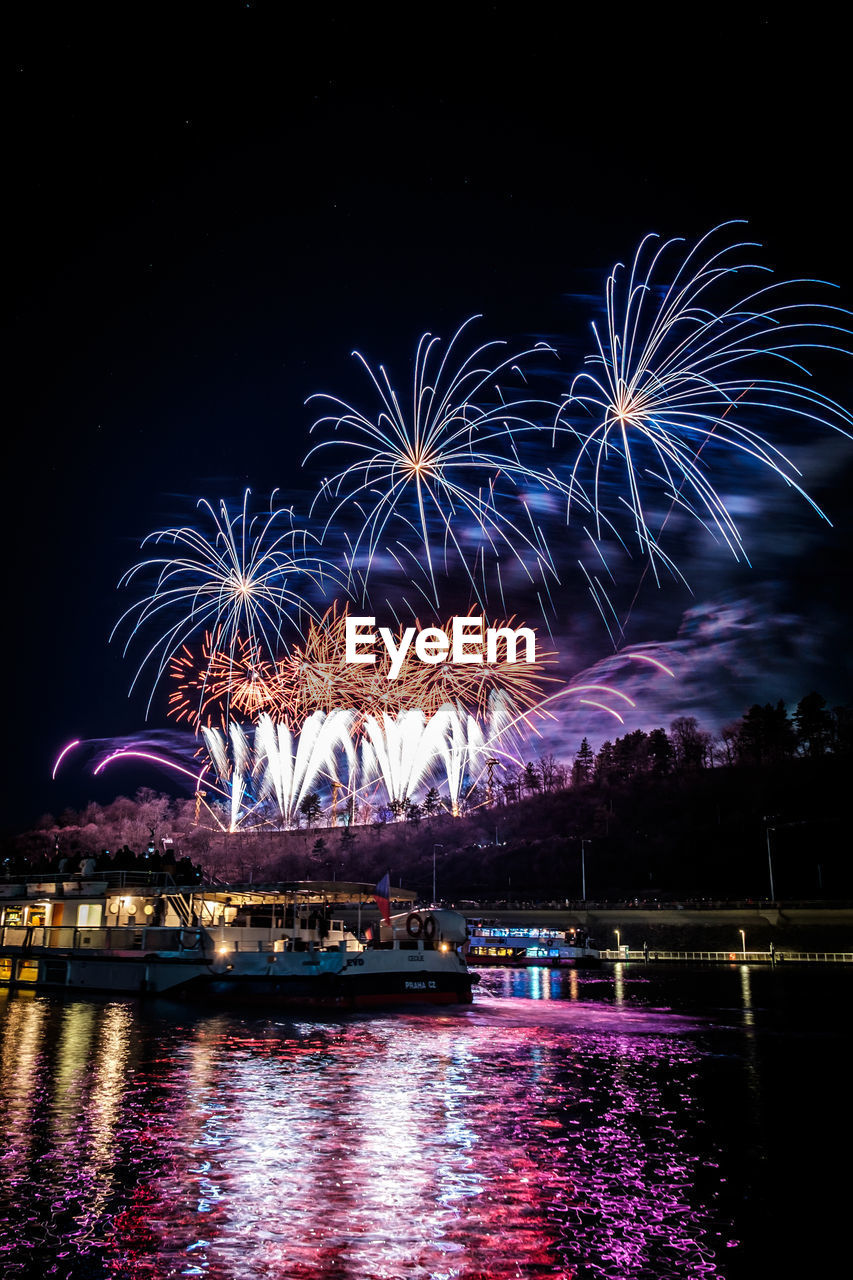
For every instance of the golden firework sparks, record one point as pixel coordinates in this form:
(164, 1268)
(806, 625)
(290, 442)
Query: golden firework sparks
(213, 684)
(316, 676)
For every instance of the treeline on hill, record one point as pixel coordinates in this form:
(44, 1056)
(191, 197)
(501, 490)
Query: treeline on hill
(659, 815)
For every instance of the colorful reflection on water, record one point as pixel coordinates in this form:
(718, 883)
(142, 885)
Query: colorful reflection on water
(562, 1126)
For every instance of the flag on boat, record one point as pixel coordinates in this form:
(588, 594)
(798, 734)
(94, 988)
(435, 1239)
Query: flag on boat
(383, 897)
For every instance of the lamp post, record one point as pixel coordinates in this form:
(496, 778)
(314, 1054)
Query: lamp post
(434, 847)
(776, 827)
(770, 861)
(742, 942)
(583, 872)
(618, 942)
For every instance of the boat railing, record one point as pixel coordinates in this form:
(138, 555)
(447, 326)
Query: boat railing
(68, 884)
(241, 938)
(185, 937)
(110, 938)
(773, 956)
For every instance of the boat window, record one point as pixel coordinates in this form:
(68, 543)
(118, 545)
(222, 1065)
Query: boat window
(5, 970)
(13, 916)
(28, 971)
(89, 913)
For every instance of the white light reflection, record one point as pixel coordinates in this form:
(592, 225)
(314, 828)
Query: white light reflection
(444, 1145)
(21, 1051)
(753, 1075)
(746, 995)
(77, 1030)
(107, 1099)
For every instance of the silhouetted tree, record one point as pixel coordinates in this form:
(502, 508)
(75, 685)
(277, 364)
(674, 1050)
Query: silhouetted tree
(630, 755)
(311, 808)
(584, 763)
(691, 745)
(726, 748)
(604, 762)
(842, 730)
(510, 789)
(765, 735)
(659, 752)
(432, 803)
(814, 725)
(531, 778)
(549, 771)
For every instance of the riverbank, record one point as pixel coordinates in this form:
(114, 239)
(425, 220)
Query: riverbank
(793, 928)
(812, 928)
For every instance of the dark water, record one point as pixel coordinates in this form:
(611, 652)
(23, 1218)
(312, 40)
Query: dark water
(637, 1123)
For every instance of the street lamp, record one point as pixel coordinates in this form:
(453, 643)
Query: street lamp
(618, 937)
(583, 872)
(777, 826)
(434, 847)
(770, 861)
(742, 942)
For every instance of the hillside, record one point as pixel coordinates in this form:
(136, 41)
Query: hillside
(698, 833)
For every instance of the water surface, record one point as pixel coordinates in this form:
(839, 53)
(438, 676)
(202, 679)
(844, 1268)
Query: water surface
(639, 1122)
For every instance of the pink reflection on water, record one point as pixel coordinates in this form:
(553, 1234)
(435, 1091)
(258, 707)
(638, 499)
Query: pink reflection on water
(512, 1139)
(354, 1152)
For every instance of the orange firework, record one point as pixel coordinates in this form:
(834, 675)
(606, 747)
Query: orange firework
(210, 688)
(217, 683)
(317, 677)
(523, 684)
(470, 685)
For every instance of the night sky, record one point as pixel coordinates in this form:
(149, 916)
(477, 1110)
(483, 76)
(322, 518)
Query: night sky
(210, 206)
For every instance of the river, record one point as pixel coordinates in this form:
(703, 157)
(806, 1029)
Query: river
(635, 1123)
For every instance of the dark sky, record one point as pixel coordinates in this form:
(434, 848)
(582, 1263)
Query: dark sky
(209, 206)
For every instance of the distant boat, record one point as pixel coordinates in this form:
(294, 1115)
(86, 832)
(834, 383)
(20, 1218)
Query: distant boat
(491, 943)
(282, 944)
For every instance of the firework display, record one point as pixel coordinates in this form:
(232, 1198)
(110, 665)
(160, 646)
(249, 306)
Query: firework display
(440, 485)
(261, 776)
(473, 687)
(317, 676)
(678, 367)
(429, 456)
(217, 681)
(244, 580)
(441, 469)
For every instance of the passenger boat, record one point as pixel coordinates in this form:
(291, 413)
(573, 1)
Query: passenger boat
(491, 943)
(268, 945)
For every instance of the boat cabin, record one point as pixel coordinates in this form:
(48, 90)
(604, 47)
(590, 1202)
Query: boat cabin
(123, 914)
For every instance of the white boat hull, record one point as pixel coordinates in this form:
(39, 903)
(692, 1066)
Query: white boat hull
(330, 978)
